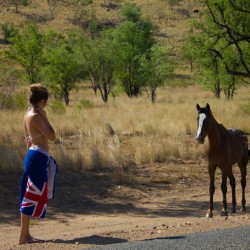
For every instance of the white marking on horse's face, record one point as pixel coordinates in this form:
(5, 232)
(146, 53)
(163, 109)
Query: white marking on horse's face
(202, 117)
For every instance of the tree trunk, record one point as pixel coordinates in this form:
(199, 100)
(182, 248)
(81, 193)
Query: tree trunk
(153, 95)
(217, 89)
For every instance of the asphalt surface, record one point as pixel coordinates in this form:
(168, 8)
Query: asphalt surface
(233, 238)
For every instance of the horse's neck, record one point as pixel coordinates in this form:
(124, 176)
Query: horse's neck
(214, 136)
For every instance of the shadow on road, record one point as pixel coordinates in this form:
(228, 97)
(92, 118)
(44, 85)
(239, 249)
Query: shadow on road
(93, 239)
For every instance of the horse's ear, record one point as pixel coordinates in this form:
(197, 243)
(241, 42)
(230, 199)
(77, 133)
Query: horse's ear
(198, 107)
(208, 107)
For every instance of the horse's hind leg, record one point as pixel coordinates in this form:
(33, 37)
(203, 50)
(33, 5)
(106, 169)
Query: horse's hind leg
(224, 193)
(232, 184)
(243, 171)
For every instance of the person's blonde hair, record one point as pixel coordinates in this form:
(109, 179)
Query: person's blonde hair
(38, 93)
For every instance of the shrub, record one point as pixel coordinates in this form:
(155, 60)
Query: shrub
(85, 103)
(20, 99)
(17, 100)
(8, 30)
(57, 107)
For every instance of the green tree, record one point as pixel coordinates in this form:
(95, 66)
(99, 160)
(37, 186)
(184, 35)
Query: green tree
(26, 49)
(134, 38)
(61, 70)
(189, 52)
(99, 59)
(156, 67)
(226, 28)
(210, 74)
(222, 42)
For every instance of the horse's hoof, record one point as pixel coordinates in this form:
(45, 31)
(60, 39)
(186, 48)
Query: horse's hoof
(209, 215)
(243, 209)
(233, 210)
(224, 213)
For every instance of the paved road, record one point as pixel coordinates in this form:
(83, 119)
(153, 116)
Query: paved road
(236, 238)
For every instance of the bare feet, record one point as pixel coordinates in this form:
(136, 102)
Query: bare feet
(29, 240)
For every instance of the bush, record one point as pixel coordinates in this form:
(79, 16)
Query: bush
(85, 103)
(8, 30)
(20, 99)
(57, 107)
(5, 101)
(17, 100)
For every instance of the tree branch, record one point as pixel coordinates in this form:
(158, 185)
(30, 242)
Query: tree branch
(238, 8)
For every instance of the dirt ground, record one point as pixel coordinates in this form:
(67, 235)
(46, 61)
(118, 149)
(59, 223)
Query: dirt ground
(106, 207)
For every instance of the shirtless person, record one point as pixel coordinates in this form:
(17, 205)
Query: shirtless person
(34, 188)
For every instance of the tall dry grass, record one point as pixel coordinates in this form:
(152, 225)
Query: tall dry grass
(142, 132)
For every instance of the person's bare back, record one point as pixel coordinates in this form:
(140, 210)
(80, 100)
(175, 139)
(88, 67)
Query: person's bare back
(37, 129)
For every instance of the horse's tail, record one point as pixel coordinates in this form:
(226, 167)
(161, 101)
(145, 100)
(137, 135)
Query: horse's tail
(249, 154)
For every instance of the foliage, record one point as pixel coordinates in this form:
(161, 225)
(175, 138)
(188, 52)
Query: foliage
(93, 28)
(61, 69)
(227, 30)
(189, 52)
(99, 59)
(131, 12)
(156, 66)
(85, 103)
(10, 78)
(222, 43)
(57, 107)
(134, 37)
(9, 31)
(17, 100)
(26, 49)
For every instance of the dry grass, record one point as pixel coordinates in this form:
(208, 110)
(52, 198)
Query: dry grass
(144, 133)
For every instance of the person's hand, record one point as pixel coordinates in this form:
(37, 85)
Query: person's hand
(41, 112)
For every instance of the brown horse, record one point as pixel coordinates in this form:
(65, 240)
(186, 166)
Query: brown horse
(225, 148)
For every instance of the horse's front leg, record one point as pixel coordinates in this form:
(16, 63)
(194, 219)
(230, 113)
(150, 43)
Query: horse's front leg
(211, 171)
(224, 194)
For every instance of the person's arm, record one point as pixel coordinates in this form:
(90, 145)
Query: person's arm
(43, 125)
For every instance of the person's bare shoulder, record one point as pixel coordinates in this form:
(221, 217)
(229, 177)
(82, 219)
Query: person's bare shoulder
(36, 118)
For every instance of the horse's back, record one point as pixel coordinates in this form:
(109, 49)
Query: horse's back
(238, 137)
(238, 145)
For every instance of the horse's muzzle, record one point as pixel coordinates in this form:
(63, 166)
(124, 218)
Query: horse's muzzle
(200, 140)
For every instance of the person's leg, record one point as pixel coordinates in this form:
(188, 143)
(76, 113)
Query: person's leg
(25, 236)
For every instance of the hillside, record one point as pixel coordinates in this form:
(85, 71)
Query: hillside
(171, 23)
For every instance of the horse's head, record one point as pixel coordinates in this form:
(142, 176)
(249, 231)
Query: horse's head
(203, 118)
